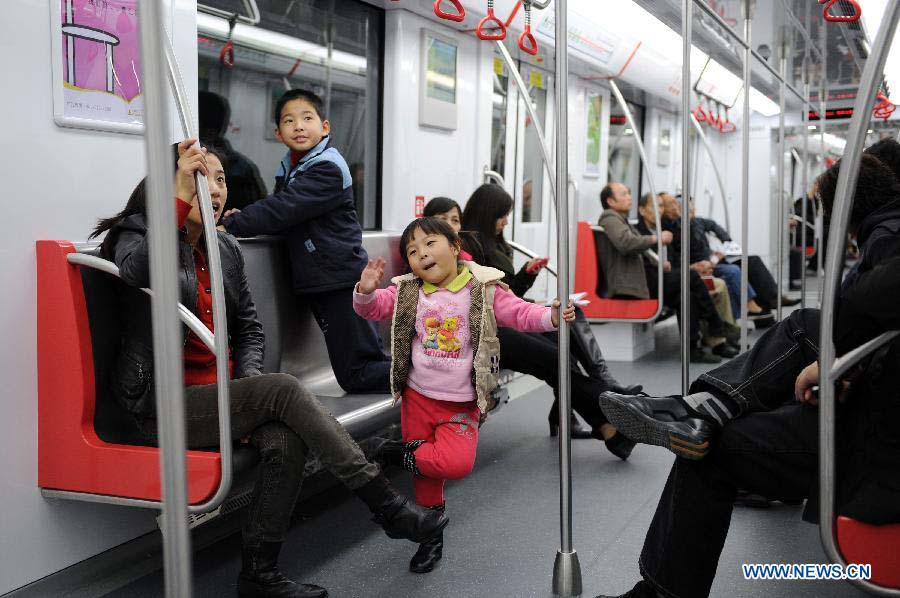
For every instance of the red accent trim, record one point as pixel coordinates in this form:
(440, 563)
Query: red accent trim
(70, 454)
(872, 544)
(621, 70)
(809, 251)
(586, 281)
(298, 61)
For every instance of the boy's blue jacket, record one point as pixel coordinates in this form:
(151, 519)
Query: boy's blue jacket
(313, 208)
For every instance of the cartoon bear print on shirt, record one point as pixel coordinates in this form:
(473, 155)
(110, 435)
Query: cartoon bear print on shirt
(443, 338)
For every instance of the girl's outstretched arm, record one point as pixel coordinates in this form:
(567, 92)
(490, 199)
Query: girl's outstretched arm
(369, 301)
(521, 315)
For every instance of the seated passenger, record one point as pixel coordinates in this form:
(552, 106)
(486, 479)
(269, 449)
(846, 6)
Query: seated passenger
(445, 360)
(313, 207)
(630, 274)
(707, 264)
(282, 419)
(486, 215)
(739, 429)
(243, 179)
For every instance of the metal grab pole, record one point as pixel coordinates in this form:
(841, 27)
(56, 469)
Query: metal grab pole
(823, 106)
(782, 219)
(804, 208)
(566, 568)
(640, 146)
(843, 202)
(745, 172)
(220, 319)
(167, 341)
(712, 160)
(686, 38)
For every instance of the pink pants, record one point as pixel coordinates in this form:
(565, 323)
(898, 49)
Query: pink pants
(450, 432)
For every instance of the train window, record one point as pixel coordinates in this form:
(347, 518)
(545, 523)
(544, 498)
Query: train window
(533, 171)
(298, 44)
(624, 160)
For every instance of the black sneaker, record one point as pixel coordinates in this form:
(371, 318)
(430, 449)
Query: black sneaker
(660, 421)
(698, 355)
(725, 350)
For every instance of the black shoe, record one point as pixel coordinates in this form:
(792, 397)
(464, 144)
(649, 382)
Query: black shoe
(789, 302)
(400, 518)
(577, 430)
(386, 451)
(725, 350)
(632, 389)
(698, 355)
(748, 499)
(732, 334)
(641, 590)
(620, 446)
(763, 320)
(429, 553)
(261, 578)
(660, 421)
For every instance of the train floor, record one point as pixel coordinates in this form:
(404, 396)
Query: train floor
(504, 529)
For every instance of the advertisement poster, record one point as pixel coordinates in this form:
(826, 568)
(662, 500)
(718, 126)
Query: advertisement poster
(97, 68)
(592, 157)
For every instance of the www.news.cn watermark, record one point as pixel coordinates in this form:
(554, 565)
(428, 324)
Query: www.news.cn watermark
(801, 571)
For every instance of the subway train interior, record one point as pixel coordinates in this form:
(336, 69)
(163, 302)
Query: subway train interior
(725, 407)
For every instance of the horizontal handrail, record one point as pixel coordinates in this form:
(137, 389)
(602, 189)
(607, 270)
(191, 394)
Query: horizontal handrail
(254, 18)
(851, 358)
(529, 253)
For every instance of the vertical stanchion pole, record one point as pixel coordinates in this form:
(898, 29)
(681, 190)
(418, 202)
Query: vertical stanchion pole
(804, 208)
(566, 568)
(823, 107)
(167, 340)
(687, 7)
(782, 216)
(745, 171)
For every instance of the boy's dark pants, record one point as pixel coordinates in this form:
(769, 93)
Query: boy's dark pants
(354, 347)
(771, 449)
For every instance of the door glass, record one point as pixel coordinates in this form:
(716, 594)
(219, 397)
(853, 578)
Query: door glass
(624, 159)
(498, 120)
(533, 168)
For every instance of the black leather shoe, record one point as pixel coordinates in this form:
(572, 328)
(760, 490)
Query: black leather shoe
(400, 518)
(429, 553)
(789, 301)
(725, 350)
(577, 430)
(660, 421)
(620, 446)
(631, 389)
(261, 578)
(641, 590)
(698, 355)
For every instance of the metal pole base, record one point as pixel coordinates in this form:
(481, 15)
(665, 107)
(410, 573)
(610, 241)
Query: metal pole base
(566, 575)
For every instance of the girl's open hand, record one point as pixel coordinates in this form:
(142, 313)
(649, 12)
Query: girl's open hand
(568, 313)
(371, 276)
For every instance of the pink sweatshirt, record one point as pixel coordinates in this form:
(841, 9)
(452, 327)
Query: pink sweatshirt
(442, 353)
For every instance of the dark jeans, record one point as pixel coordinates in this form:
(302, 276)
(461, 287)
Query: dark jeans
(702, 306)
(762, 280)
(771, 449)
(284, 421)
(536, 355)
(354, 346)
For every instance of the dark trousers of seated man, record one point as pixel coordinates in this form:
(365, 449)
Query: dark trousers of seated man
(354, 347)
(537, 355)
(761, 280)
(702, 306)
(769, 447)
(285, 422)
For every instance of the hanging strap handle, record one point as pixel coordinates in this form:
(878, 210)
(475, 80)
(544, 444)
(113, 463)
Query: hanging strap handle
(727, 126)
(700, 113)
(458, 16)
(527, 43)
(226, 54)
(833, 18)
(884, 109)
(490, 28)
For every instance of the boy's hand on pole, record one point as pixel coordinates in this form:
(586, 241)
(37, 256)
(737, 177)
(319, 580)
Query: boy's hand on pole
(371, 277)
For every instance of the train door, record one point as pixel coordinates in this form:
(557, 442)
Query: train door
(532, 221)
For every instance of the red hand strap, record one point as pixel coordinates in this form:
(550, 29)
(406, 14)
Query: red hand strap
(490, 28)
(457, 16)
(833, 18)
(226, 54)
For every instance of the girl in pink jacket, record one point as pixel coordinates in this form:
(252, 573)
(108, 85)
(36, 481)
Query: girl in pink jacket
(444, 356)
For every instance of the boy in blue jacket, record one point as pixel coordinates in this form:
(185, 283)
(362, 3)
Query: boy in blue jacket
(313, 207)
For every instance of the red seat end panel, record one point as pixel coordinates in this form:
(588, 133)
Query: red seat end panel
(70, 455)
(877, 545)
(586, 272)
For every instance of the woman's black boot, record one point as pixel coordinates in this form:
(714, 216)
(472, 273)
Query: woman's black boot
(397, 515)
(261, 578)
(578, 431)
(430, 552)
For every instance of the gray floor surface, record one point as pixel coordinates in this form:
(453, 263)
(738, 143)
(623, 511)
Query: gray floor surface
(504, 531)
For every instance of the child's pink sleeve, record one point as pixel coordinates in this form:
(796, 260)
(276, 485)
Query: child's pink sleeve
(519, 314)
(375, 306)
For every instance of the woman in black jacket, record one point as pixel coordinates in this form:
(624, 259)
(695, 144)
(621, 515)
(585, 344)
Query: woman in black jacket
(281, 418)
(486, 214)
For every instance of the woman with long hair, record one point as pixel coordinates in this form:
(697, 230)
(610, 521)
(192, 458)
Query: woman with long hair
(282, 419)
(487, 214)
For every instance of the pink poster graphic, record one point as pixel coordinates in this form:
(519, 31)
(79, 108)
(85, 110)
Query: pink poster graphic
(101, 61)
